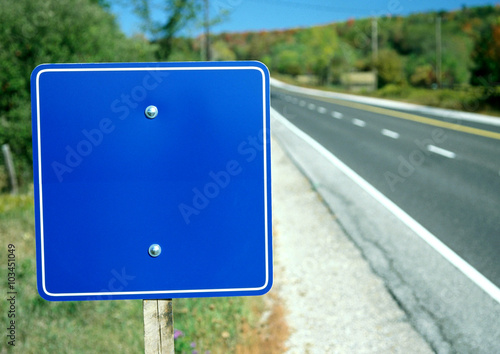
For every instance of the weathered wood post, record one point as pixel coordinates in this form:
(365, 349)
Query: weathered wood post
(9, 164)
(158, 326)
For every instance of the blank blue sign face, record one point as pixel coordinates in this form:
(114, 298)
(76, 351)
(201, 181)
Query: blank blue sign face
(192, 183)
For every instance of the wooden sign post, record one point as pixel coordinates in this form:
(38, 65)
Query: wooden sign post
(9, 164)
(158, 326)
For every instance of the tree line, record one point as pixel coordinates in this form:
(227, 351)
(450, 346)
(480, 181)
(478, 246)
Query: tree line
(469, 48)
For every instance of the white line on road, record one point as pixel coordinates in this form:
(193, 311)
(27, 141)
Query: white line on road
(322, 110)
(441, 151)
(302, 103)
(311, 106)
(358, 122)
(471, 272)
(337, 115)
(390, 133)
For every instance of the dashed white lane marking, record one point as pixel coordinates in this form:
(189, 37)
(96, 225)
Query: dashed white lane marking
(441, 151)
(358, 122)
(479, 279)
(390, 133)
(337, 115)
(302, 103)
(322, 110)
(311, 106)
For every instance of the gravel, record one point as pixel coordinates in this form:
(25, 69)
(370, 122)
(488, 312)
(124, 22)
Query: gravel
(334, 302)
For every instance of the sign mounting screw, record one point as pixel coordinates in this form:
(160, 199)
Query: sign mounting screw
(151, 112)
(154, 250)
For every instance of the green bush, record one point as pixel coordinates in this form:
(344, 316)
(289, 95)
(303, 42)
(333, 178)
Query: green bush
(393, 90)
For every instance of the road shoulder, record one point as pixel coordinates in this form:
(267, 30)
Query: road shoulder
(448, 309)
(334, 302)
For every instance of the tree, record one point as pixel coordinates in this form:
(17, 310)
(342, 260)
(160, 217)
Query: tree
(344, 61)
(321, 44)
(44, 31)
(177, 14)
(456, 60)
(287, 60)
(423, 75)
(221, 51)
(486, 56)
(389, 67)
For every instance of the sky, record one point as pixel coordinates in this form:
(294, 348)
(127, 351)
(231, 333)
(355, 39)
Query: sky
(256, 15)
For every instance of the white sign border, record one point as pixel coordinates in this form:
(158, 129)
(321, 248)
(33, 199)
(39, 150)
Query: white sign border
(154, 68)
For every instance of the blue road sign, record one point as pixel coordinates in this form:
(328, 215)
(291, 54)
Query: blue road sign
(152, 180)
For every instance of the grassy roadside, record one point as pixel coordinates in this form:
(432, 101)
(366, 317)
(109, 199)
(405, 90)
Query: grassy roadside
(469, 99)
(215, 325)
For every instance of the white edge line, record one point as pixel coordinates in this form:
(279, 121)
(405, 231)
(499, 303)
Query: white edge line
(265, 114)
(457, 261)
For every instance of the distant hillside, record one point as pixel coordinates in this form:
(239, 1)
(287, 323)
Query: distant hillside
(408, 49)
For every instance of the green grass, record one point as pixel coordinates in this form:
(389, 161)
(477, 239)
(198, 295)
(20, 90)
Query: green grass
(213, 324)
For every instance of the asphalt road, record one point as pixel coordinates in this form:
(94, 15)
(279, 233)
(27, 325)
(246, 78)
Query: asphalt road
(444, 173)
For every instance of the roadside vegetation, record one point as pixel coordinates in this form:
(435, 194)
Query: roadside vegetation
(467, 98)
(216, 325)
(33, 32)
